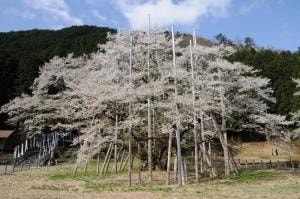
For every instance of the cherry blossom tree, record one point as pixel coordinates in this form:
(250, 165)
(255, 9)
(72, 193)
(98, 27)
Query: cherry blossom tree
(108, 96)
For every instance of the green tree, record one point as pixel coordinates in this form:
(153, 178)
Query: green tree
(249, 42)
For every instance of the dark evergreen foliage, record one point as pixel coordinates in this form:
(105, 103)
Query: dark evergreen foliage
(280, 67)
(23, 52)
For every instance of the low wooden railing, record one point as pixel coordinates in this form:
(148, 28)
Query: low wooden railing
(263, 164)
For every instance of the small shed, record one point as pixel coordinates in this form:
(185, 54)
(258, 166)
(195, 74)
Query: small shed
(4, 136)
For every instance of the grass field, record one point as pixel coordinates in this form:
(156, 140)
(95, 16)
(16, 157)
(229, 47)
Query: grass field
(57, 182)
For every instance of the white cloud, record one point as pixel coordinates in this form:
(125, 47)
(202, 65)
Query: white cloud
(166, 12)
(98, 15)
(57, 8)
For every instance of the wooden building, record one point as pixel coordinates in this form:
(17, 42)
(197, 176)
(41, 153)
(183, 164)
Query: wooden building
(4, 139)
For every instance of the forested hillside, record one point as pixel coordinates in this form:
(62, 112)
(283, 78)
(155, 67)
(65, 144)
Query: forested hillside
(280, 67)
(23, 52)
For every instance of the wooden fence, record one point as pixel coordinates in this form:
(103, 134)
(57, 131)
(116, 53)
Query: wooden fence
(263, 164)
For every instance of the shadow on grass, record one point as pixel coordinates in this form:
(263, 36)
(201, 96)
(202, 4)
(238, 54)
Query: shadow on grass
(54, 188)
(286, 188)
(81, 176)
(99, 187)
(251, 176)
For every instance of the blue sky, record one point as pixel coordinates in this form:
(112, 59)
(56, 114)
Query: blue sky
(271, 23)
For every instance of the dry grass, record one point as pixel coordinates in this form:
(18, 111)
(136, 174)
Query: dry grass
(57, 182)
(263, 151)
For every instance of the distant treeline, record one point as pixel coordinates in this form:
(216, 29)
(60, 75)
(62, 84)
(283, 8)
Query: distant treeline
(23, 52)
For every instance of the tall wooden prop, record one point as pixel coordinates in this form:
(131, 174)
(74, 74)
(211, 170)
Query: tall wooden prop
(179, 158)
(169, 158)
(223, 127)
(149, 110)
(202, 145)
(116, 146)
(129, 130)
(106, 158)
(194, 118)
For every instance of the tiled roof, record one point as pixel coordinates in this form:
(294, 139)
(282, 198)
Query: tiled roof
(5, 133)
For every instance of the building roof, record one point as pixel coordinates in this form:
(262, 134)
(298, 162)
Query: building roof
(5, 133)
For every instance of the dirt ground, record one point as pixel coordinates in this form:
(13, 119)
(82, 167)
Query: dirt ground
(263, 151)
(57, 182)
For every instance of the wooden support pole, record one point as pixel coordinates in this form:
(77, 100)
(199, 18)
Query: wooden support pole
(126, 161)
(109, 158)
(86, 166)
(5, 168)
(185, 171)
(140, 164)
(118, 157)
(106, 157)
(210, 160)
(75, 169)
(122, 158)
(116, 146)
(149, 110)
(129, 113)
(98, 162)
(175, 168)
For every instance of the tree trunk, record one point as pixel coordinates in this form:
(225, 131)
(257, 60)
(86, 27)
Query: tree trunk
(169, 158)
(208, 162)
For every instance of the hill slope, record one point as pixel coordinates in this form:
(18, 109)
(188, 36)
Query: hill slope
(23, 52)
